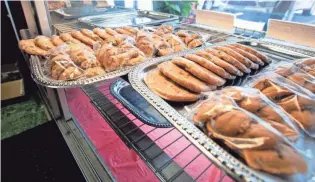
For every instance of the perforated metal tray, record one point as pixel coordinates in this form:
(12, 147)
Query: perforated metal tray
(215, 151)
(138, 18)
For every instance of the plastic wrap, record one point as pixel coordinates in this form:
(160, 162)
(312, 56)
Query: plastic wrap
(294, 99)
(176, 43)
(308, 65)
(145, 43)
(63, 68)
(71, 61)
(113, 58)
(296, 74)
(255, 102)
(261, 146)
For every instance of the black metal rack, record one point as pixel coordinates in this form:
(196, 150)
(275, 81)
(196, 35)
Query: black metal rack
(163, 165)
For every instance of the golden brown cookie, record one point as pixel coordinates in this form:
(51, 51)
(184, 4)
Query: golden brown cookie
(248, 63)
(222, 55)
(167, 89)
(30, 47)
(280, 160)
(56, 40)
(252, 51)
(248, 55)
(252, 104)
(306, 118)
(183, 78)
(209, 65)
(198, 71)
(232, 123)
(276, 92)
(44, 42)
(91, 34)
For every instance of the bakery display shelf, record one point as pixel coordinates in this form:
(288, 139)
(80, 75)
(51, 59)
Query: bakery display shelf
(163, 165)
(137, 18)
(175, 113)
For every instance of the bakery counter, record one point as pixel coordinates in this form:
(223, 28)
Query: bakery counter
(132, 150)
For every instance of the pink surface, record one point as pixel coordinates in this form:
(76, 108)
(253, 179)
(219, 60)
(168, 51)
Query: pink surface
(125, 164)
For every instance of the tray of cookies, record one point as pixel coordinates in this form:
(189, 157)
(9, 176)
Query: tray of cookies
(102, 53)
(183, 86)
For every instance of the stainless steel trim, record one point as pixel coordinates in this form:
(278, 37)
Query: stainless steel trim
(43, 17)
(64, 103)
(29, 17)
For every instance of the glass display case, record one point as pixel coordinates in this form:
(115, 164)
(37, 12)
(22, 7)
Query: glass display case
(117, 134)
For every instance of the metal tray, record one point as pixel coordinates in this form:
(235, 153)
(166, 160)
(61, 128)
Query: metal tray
(174, 112)
(137, 105)
(212, 37)
(72, 13)
(137, 18)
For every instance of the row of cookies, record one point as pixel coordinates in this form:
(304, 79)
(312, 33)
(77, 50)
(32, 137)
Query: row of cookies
(292, 98)
(188, 76)
(252, 138)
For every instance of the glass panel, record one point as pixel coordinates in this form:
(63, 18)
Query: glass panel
(250, 14)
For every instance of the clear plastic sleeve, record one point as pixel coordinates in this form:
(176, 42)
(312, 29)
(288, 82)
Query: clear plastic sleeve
(63, 68)
(308, 65)
(261, 146)
(294, 99)
(145, 43)
(295, 74)
(255, 102)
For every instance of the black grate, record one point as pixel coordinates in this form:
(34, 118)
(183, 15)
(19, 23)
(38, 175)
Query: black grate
(163, 165)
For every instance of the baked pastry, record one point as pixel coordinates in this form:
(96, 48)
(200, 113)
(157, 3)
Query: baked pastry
(111, 32)
(306, 118)
(198, 71)
(248, 55)
(132, 30)
(44, 42)
(164, 29)
(209, 65)
(279, 160)
(243, 130)
(107, 37)
(56, 40)
(91, 34)
(83, 57)
(276, 92)
(70, 73)
(183, 78)
(163, 48)
(94, 71)
(145, 44)
(125, 32)
(248, 63)
(194, 43)
(66, 37)
(167, 89)
(222, 55)
(86, 40)
(253, 51)
(175, 42)
(219, 62)
(30, 47)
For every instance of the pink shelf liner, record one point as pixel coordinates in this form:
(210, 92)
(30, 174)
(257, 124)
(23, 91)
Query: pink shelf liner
(124, 163)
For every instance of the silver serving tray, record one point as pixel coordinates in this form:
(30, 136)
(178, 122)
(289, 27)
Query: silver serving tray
(137, 18)
(175, 113)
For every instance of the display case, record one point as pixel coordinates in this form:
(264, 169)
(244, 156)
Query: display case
(117, 135)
